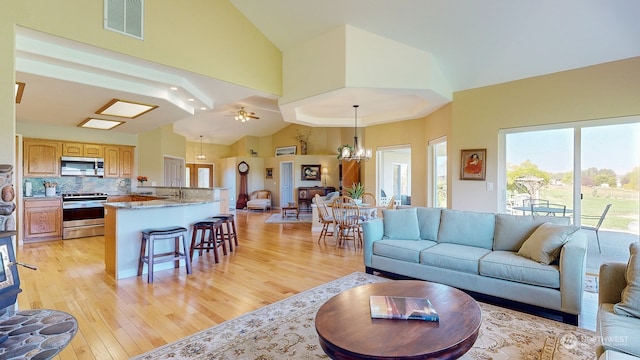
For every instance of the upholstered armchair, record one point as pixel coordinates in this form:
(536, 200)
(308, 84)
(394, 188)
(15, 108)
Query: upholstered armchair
(259, 199)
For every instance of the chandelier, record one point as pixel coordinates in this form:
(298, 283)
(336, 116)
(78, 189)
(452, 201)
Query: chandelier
(201, 156)
(358, 153)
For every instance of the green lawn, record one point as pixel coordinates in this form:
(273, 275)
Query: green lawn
(625, 206)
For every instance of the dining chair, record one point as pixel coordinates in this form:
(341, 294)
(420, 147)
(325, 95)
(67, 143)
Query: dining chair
(531, 203)
(324, 217)
(392, 203)
(346, 215)
(596, 228)
(369, 198)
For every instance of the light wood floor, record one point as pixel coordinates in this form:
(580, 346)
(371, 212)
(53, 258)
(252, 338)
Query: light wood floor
(120, 319)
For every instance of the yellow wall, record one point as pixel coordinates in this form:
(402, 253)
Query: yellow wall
(595, 92)
(203, 36)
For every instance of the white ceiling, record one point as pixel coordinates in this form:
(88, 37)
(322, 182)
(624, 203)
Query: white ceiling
(476, 43)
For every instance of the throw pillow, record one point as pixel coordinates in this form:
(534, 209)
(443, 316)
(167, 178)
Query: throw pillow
(544, 244)
(401, 224)
(630, 304)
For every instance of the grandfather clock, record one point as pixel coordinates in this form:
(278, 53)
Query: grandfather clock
(243, 169)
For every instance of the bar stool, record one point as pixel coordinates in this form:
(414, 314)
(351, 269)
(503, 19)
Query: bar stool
(228, 221)
(150, 236)
(208, 238)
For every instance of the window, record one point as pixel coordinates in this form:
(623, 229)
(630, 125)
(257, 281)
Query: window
(438, 173)
(199, 175)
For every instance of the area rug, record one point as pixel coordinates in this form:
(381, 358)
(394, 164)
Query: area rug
(591, 283)
(277, 219)
(286, 330)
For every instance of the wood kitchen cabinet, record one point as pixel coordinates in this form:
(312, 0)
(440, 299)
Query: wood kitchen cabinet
(42, 219)
(41, 158)
(81, 149)
(118, 161)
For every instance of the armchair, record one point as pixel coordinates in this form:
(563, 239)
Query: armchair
(259, 200)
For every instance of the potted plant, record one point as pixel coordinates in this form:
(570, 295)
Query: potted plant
(355, 191)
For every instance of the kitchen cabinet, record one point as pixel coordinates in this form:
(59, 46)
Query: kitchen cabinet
(81, 149)
(42, 219)
(41, 158)
(118, 161)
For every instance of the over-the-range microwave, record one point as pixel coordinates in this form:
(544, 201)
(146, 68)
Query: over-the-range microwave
(81, 166)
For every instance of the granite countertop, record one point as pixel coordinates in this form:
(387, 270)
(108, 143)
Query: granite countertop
(41, 197)
(157, 203)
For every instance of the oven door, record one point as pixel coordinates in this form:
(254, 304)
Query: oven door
(80, 222)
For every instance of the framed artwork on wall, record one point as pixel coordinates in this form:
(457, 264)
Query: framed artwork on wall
(269, 173)
(310, 173)
(286, 150)
(473, 165)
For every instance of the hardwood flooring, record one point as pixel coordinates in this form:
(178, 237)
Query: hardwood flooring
(124, 318)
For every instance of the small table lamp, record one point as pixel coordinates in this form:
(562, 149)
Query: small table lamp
(325, 172)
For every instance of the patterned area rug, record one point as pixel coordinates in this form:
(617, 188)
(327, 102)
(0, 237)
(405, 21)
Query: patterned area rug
(286, 330)
(277, 219)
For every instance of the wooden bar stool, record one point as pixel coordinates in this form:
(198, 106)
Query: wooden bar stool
(208, 238)
(150, 236)
(229, 224)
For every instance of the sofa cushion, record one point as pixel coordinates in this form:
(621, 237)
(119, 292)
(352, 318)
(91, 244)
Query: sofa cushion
(466, 228)
(630, 304)
(545, 242)
(618, 333)
(407, 250)
(507, 265)
(454, 257)
(401, 224)
(429, 222)
(512, 230)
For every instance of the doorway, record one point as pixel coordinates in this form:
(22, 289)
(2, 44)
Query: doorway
(174, 172)
(286, 182)
(199, 175)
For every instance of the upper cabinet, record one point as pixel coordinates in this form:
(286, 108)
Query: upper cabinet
(80, 149)
(118, 161)
(42, 158)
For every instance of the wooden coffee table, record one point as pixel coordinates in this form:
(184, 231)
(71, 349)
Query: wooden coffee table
(290, 208)
(347, 331)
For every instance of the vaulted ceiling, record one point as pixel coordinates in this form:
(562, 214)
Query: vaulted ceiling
(473, 43)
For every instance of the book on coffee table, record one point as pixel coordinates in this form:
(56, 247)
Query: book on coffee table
(402, 308)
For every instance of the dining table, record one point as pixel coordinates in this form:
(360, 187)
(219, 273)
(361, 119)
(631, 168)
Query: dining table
(542, 209)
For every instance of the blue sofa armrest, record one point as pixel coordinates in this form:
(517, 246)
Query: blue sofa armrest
(573, 260)
(372, 231)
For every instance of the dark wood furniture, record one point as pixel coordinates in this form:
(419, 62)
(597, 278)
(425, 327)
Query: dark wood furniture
(290, 208)
(347, 331)
(306, 194)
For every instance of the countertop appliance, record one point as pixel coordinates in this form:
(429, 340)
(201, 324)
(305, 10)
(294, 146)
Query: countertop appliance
(82, 215)
(81, 166)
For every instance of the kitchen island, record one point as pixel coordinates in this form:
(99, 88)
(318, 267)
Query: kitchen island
(124, 222)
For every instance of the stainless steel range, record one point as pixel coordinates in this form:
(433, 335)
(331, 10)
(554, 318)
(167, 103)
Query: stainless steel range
(82, 215)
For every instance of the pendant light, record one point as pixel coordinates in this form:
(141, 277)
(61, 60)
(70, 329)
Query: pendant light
(201, 156)
(358, 153)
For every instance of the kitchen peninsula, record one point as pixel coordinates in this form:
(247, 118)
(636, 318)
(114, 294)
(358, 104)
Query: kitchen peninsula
(124, 222)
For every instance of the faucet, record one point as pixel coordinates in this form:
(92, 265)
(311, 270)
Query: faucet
(179, 183)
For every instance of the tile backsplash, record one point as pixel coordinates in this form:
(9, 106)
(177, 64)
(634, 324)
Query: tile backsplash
(75, 184)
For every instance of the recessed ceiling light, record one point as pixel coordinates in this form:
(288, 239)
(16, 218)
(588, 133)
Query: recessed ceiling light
(123, 108)
(100, 124)
(174, 88)
(203, 108)
(19, 90)
(190, 99)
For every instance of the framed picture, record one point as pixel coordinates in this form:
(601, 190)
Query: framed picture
(286, 150)
(473, 164)
(310, 172)
(269, 173)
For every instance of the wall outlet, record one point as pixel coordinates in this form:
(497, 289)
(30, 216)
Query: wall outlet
(489, 186)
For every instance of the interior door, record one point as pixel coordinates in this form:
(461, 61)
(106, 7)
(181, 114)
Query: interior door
(174, 172)
(286, 182)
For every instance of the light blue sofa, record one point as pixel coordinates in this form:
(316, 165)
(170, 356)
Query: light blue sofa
(478, 252)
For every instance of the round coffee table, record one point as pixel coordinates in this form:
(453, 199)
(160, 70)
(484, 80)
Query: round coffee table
(347, 331)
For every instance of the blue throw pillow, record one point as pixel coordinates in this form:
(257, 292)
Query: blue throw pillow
(401, 224)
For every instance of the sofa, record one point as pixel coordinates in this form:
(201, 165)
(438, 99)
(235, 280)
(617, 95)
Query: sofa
(259, 200)
(535, 260)
(618, 321)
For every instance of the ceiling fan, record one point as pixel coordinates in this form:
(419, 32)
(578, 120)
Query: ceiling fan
(243, 116)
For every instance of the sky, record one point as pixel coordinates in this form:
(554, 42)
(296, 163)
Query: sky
(615, 147)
